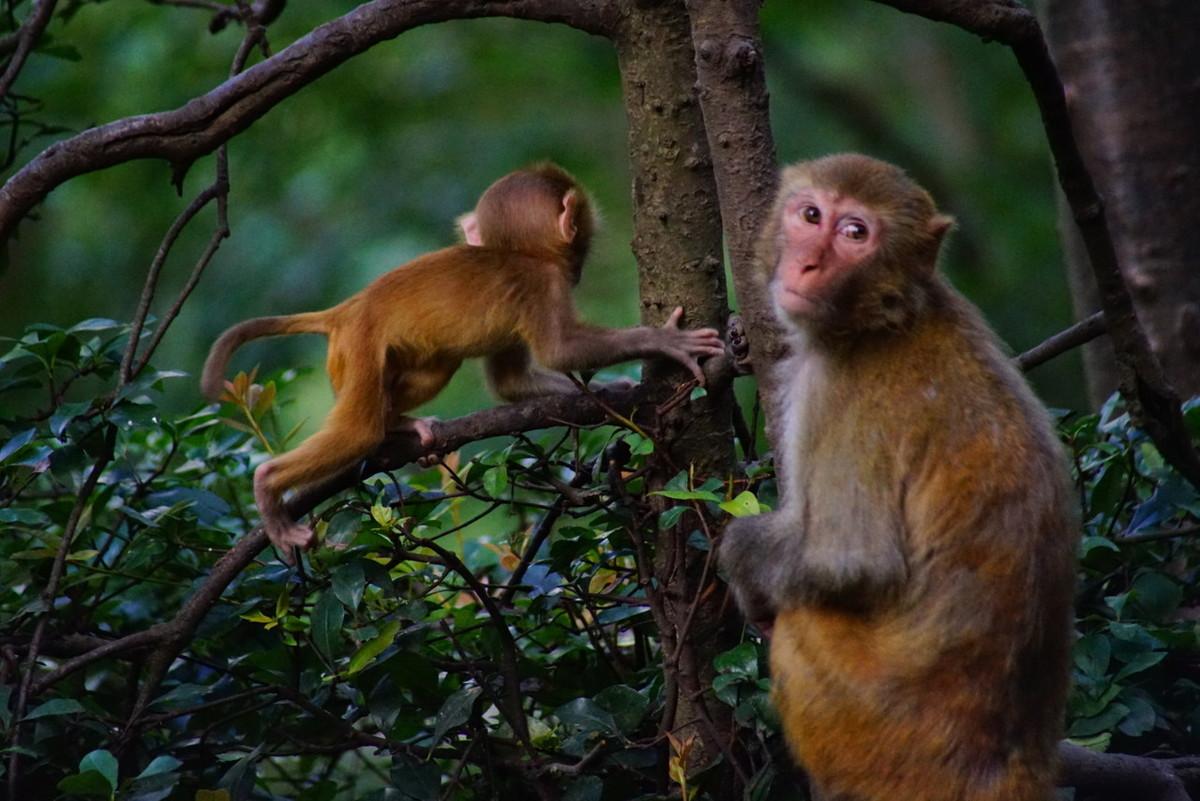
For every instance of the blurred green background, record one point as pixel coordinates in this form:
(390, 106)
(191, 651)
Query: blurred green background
(368, 167)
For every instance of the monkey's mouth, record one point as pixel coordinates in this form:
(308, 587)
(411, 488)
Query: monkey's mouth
(794, 302)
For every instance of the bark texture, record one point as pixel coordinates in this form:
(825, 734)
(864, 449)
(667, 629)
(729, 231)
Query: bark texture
(677, 242)
(1132, 77)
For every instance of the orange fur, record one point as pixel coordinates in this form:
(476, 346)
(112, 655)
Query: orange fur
(924, 545)
(395, 345)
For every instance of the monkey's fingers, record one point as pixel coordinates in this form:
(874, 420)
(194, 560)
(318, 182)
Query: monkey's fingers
(294, 536)
(686, 359)
(673, 320)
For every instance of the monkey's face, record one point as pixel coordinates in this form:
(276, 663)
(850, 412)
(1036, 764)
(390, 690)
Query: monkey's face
(825, 238)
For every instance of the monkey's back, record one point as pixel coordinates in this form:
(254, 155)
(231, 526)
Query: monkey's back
(953, 689)
(456, 303)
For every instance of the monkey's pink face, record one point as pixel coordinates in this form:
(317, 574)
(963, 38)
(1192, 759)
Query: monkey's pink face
(824, 238)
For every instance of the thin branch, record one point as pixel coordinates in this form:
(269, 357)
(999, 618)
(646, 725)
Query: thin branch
(49, 593)
(139, 319)
(31, 30)
(200, 126)
(1151, 399)
(1081, 333)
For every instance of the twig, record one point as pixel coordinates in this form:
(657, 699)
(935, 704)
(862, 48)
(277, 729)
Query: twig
(31, 30)
(1081, 333)
(48, 595)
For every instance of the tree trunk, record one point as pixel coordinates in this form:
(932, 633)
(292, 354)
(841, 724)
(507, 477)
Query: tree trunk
(1131, 75)
(677, 242)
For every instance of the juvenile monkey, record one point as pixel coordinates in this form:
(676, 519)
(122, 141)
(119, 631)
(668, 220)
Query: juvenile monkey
(504, 295)
(917, 579)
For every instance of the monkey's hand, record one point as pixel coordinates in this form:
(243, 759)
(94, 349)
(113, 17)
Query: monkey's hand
(739, 345)
(687, 347)
(745, 558)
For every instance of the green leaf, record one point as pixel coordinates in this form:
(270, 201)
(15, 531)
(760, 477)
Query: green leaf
(585, 714)
(671, 517)
(688, 495)
(745, 504)
(495, 481)
(328, 616)
(95, 324)
(373, 648)
(64, 414)
(55, 707)
(1141, 662)
(90, 784)
(1105, 721)
(16, 442)
(1157, 595)
(1090, 544)
(741, 660)
(1141, 717)
(1092, 654)
(626, 705)
(5, 714)
(455, 711)
(103, 763)
(348, 584)
(160, 764)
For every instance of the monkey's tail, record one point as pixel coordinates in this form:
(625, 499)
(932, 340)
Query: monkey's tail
(212, 380)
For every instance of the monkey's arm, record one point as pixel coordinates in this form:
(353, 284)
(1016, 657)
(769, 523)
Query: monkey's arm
(773, 563)
(513, 376)
(565, 344)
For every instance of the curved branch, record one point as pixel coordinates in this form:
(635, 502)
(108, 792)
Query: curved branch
(1121, 776)
(198, 127)
(1152, 401)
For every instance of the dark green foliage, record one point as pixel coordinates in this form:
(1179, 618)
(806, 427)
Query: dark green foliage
(395, 657)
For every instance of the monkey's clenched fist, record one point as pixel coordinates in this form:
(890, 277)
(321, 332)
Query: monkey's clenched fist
(919, 572)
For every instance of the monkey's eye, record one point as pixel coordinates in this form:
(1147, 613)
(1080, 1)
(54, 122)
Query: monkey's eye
(854, 230)
(811, 214)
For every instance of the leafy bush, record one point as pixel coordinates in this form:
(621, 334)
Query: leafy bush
(468, 632)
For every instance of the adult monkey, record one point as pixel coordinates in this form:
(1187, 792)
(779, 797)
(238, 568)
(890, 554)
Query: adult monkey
(918, 577)
(504, 295)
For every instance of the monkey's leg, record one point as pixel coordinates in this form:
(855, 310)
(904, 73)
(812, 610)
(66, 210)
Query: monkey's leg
(354, 428)
(409, 387)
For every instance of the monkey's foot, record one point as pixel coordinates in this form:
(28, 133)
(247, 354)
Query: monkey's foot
(295, 535)
(423, 428)
(739, 345)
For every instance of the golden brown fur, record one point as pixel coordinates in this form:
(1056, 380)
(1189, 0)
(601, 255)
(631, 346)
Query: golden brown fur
(918, 577)
(506, 296)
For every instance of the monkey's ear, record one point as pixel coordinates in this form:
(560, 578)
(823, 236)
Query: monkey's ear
(939, 226)
(566, 218)
(469, 225)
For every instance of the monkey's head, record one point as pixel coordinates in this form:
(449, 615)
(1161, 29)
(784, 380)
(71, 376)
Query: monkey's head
(537, 209)
(851, 247)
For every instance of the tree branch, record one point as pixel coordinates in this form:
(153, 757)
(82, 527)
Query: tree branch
(1081, 333)
(198, 127)
(733, 96)
(1152, 401)
(27, 38)
(1117, 777)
